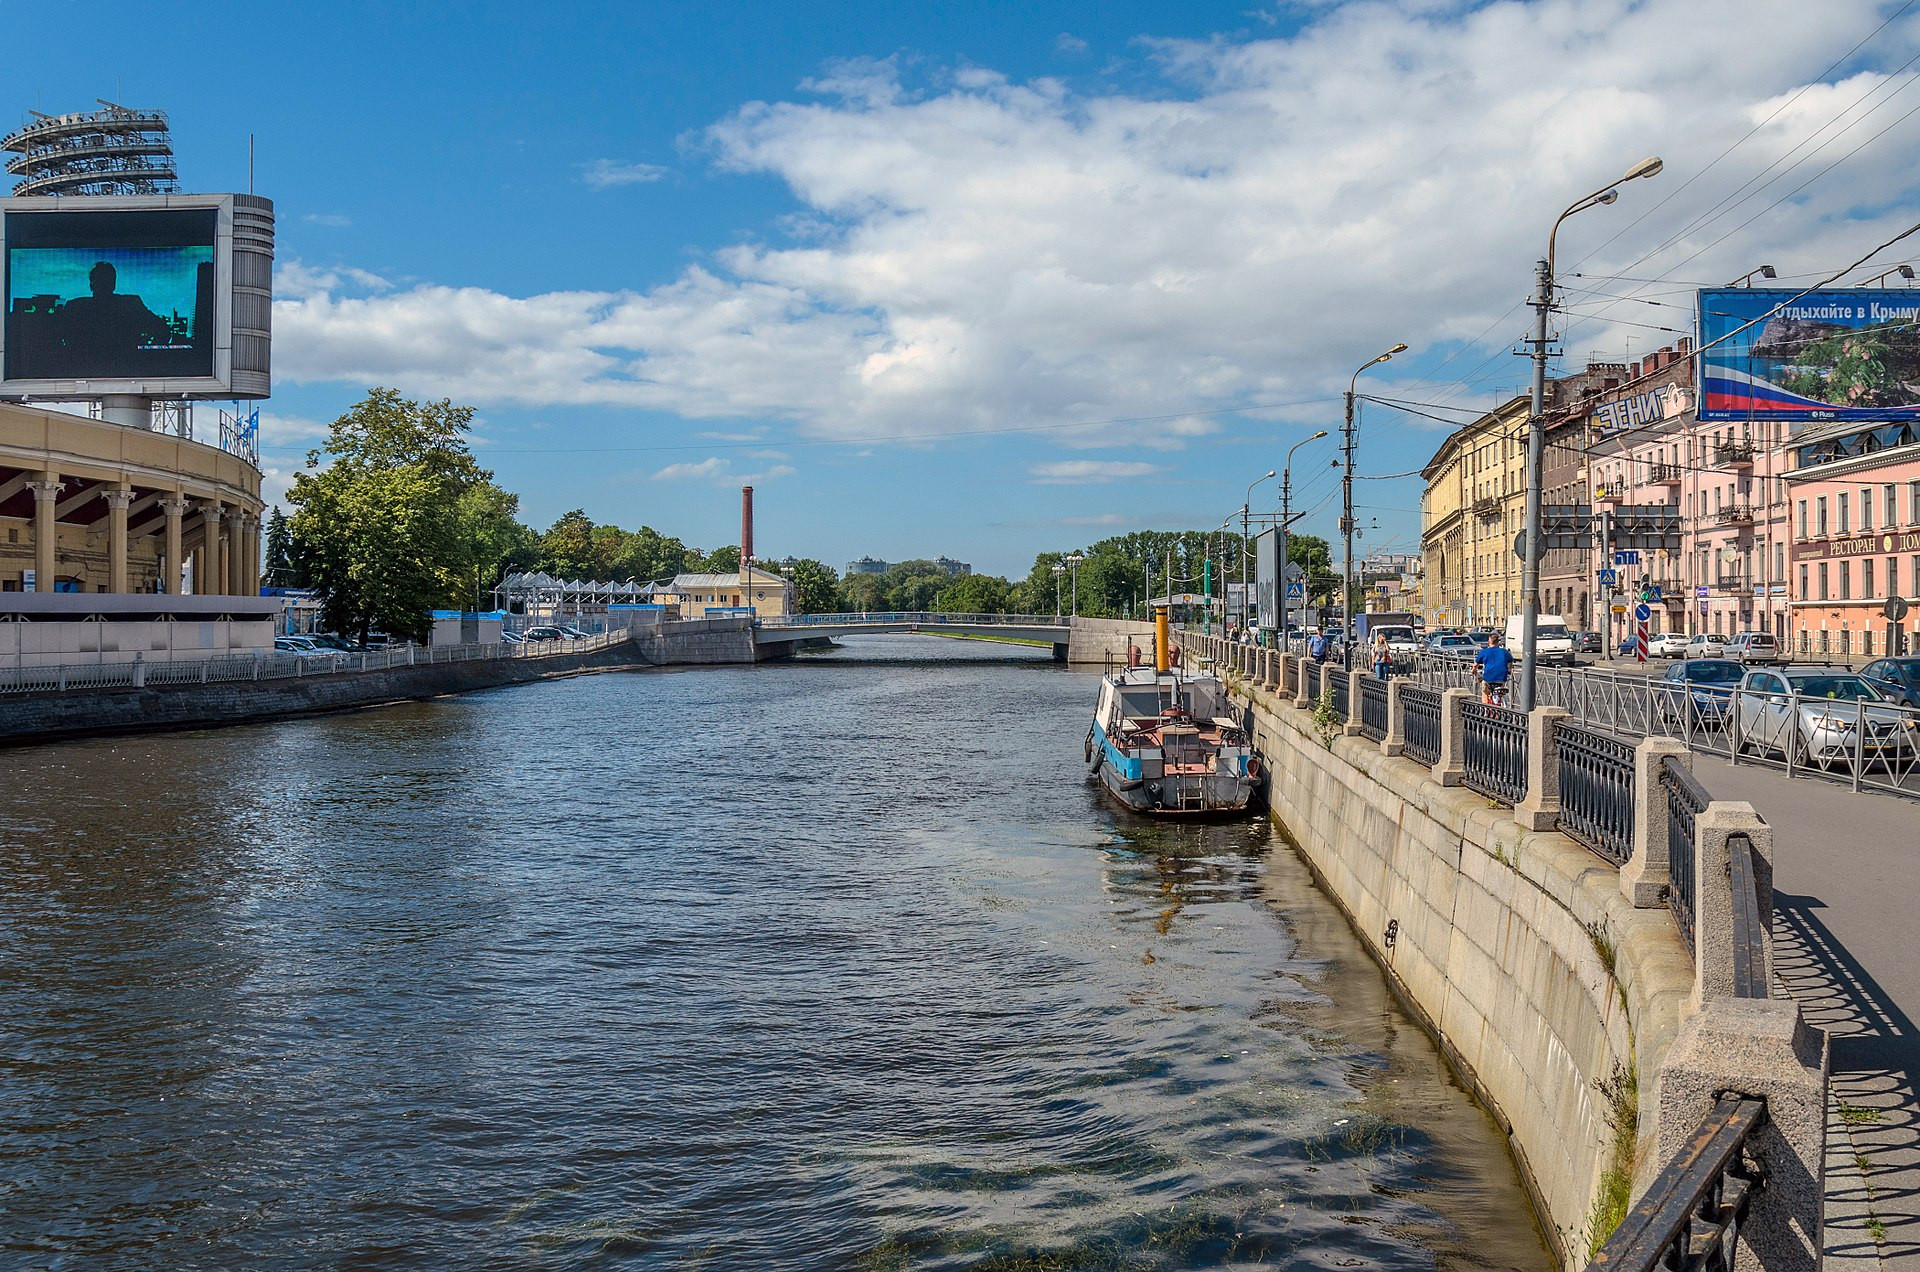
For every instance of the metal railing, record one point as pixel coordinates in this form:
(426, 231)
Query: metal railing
(1420, 709)
(1291, 679)
(227, 668)
(1749, 921)
(1495, 751)
(1373, 708)
(1596, 790)
(1691, 1214)
(926, 617)
(1686, 800)
(1341, 685)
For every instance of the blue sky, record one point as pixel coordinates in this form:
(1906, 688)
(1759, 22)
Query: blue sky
(986, 279)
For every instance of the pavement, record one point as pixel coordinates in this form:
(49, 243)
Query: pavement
(1844, 905)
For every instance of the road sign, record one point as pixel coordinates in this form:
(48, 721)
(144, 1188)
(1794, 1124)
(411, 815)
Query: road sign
(1701, 591)
(1642, 613)
(1896, 608)
(1619, 609)
(1626, 558)
(1640, 639)
(1608, 578)
(1653, 592)
(1296, 590)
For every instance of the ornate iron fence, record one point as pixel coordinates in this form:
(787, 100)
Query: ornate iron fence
(1596, 790)
(1292, 677)
(1496, 751)
(1373, 708)
(1421, 711)
(1685, 802)
(1341, 683)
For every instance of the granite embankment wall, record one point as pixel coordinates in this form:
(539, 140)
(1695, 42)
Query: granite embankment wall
(1102, 640)
(1551, 994)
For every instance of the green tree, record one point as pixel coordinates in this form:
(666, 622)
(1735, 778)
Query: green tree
(816, 587)
(377, 529)
(492, 541)
(719, 561)
(567, 549)
(863, 593)
(974, 594)
(277, 568)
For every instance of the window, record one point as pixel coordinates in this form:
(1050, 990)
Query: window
(1846, 578)
(1866, 509)
(1913, 504)
(1893, 576)
(1866, 579)
(1801, 513)
(1890, 506)
(1841, 516)
(1780, 562)
(1803, 583)
(1823, 580)
(1820, 516)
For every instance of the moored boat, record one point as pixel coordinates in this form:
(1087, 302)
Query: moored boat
(1165, 742)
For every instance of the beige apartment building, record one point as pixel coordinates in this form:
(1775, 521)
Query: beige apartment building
(1473, 505)
(89, 506)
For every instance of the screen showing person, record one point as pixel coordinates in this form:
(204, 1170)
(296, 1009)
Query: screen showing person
(110, 295)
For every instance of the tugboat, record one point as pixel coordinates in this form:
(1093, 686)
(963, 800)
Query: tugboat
(1164, 743)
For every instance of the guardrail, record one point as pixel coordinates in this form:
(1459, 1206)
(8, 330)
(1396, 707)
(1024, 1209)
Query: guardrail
(1693, 1210)
(1373, 708)
(1495, 750)
(914, 616)
(1596, 790)
(1422, 710)
(1686, 800)
(227, 668)
(1336, 685)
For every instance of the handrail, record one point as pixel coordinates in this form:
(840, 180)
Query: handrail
(1495, 751)
(929, 617)
(1696, 1203)
(1373, 708)
(1421, 708)
(1596, 790)
(1686, 800)
(1749, 925)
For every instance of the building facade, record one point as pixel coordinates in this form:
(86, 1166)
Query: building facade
(89, 506)
(1854, 493)
(769, 595)
(1473, 505)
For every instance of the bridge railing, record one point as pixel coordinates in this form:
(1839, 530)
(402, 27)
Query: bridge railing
(923, 617)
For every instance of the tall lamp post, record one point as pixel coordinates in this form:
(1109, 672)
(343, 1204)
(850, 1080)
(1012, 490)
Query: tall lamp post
(1058, 570)
(1286, 526)
(1537, 430)
(1246, 514)
(1346, 506)
(1073, 560)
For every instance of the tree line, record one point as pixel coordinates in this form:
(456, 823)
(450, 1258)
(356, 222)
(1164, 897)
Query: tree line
(393, 518)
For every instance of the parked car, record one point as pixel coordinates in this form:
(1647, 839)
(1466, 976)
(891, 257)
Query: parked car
(1755, 649)
(1706, 645)
(1667, 645)
(299, 647)
(569, 632)
(1897, 678)
(512, 638)
(1589, 643)
(1698, 692)
(1815, 716)
(327, 640)
(543, 633)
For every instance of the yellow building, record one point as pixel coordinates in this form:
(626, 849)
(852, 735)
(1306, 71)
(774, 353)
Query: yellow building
(770, 595)
(1473, 506)
(88, 506)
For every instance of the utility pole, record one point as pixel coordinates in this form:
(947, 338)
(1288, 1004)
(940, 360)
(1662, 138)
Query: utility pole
(1346, 506)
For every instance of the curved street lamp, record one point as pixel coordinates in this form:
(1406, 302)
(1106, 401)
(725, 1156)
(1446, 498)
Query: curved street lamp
(1246, 515)
(1536, 426)
(1346, 505)
(1286, 525)
(1073, 560)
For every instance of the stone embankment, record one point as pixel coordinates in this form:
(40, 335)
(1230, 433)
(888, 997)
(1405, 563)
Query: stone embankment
(1558, 983)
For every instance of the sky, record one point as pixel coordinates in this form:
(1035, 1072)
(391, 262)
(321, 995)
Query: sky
(990, 279)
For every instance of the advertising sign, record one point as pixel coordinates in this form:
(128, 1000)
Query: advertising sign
(1829, 355)
(111, 295)
(1266, 569)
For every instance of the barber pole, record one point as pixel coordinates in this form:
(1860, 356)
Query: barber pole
(1640, 642)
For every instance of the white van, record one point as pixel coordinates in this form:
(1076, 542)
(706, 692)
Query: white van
(1552, 640)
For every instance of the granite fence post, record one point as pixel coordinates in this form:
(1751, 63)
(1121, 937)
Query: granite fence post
(1644, 879)
(1395, 743)
(1540, 810)
(1451, 768)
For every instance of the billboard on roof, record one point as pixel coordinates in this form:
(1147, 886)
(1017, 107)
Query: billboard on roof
(1266, 572)
(1837, 354)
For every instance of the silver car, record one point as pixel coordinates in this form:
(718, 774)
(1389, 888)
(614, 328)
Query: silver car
(1814, 715)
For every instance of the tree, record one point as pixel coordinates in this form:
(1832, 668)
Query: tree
(719, 561)
(492, 539)
(277, 569)
(816, 588)
(974, 594)
(567, 549)
(863, 593)
(378, 526)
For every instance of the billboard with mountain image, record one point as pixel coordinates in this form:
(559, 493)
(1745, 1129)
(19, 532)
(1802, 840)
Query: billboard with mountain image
(1772, 353)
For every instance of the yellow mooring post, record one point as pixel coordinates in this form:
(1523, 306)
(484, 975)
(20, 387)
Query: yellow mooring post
(1162, 658)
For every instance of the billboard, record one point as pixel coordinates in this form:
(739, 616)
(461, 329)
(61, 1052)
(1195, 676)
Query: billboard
(1266, 571)
(1827, 355)
(150, 295)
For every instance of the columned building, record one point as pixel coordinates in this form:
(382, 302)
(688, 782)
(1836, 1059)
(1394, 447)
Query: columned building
(90, 506)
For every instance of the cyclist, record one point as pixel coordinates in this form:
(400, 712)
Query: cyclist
(1493, 665)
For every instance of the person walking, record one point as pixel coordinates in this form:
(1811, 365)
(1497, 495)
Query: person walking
(1493, 665)
(1382, 657)
(1319, 648)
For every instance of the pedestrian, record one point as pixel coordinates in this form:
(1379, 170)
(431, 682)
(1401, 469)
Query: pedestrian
(1493, 665)
(1319, 647)
(1382, 656)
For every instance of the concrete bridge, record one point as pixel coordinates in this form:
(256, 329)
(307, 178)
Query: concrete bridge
(1072, 639)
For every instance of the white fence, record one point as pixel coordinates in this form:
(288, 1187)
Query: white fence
(278, 666)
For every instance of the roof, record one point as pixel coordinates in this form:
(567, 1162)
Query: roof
(730, 578)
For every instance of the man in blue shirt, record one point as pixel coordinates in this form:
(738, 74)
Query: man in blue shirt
(1319, 647)
(1493, 665)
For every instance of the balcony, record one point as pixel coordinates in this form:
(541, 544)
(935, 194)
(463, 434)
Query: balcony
(1734, 515)
(1610, 493)
(1732, 585)
(1486, 508)
(1663, 474)
(1734, 454)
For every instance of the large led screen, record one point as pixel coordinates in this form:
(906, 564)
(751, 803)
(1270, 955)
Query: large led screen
(1768, 353)
(110, 295)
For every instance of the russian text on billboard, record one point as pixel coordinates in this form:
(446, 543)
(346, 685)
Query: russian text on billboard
(1771, 353)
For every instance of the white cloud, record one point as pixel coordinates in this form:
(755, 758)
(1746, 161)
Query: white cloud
(1077, 471)
(721, 472)
(980, 253)
(331, 220)
(1070, 44)
(606, 174)
(295, 280)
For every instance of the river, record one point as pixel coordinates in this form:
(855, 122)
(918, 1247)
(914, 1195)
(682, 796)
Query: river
(840, 964)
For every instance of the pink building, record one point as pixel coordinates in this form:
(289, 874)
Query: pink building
(1855, 493)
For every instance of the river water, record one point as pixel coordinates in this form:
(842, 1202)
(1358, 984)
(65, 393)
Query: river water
(837, 964)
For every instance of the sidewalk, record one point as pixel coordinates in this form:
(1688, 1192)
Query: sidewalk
(1845, 900)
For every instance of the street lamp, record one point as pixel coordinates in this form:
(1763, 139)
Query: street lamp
(1058, 570)
(1286, 525)
(1746, 279)
(1246, 513)
(1073, 560)
(1536, 427)
(1346, 505)
(1905, 271)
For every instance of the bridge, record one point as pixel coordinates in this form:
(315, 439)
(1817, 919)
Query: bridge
(1079, 639)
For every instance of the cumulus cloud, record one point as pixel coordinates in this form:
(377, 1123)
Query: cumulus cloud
(972, 252)
(1080, 471)
(722, 473)
(607, 174)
